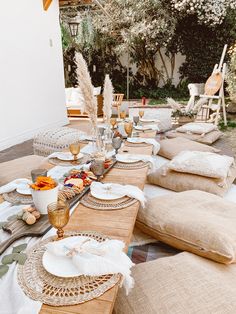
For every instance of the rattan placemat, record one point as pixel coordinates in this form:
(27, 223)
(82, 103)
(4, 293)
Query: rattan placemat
(89, 201)
(17, 198)
(131, 166)
(41, 286)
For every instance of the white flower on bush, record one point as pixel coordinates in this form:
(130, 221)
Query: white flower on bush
(210, 12)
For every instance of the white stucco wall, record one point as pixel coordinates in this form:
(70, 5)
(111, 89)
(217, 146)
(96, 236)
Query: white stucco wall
(32, 95)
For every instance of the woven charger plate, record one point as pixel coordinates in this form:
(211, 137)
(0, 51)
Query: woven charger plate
(41, 286)
(94, 203)
(131, 166)
(16, 198)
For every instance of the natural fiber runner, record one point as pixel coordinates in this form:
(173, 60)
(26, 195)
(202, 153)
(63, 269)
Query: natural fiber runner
(94, 203)
(131, 166)
(41, 286)
(16, 198)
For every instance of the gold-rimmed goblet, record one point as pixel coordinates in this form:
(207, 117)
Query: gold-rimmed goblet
(128, 128)
(123, 115)
(58, 216)
(75, 149)
(113, 122)
(141, 113)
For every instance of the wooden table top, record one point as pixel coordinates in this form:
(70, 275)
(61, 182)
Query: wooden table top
(117, 224)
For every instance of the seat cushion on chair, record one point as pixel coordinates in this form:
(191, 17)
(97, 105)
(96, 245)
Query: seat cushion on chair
(208, 138)
(55, 140)
(194, 221)
(180, 284)
(172, 147)
(179, 182)
(21, 168)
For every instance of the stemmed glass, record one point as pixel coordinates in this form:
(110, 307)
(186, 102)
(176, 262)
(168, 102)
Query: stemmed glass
(113, 122)
(128, 128)
(136, 120)
(97, 167)
(75, 149)
(116, 143)
(141, 113)
(58, 216)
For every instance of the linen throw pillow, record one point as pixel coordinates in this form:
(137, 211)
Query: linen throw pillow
(197, 128)
(202, 163)
(194, 221)
(172, 147)
(208, 138)
(179, 182)
(184, 283)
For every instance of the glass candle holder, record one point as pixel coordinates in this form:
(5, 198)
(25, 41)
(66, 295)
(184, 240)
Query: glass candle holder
(58, 216)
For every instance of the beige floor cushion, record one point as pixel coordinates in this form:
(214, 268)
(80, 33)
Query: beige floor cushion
(172, 147)
(197, 128)
(195, 221)
(182, 284)
(21, 168)
(179, 182)
(202, 163)
(208, 138)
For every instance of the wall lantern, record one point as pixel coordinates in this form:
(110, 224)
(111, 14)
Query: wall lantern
(74, 28)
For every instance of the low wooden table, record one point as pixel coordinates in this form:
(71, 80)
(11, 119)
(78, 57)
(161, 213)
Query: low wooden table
(117, 224)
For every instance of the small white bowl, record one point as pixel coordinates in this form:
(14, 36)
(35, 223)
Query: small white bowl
(42, 199)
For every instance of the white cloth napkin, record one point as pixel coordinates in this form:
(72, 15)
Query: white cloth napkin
(93, 258)
(9, 187)
(62, 155)
(138, 157)
(118, 189)
(152, 141)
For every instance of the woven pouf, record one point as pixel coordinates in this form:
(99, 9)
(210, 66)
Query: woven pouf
(55, 140)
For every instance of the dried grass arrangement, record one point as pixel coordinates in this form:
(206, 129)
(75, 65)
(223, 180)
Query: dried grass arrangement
(85, 84)
(107, 98)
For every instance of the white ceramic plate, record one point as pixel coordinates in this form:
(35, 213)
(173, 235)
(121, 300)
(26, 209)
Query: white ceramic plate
(125, 159)
(134, 140)
(59, 266)
(106, 195)
(148, 120)
(142, 128)
(24, 190)
(68, 156)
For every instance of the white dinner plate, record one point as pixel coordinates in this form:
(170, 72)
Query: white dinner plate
(106, 195)
(134, 140)
(148, 120)
(142, 128)
(24, 190)
(68, 156)
(126, 159)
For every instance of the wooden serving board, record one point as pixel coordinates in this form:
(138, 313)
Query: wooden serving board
(18, 228)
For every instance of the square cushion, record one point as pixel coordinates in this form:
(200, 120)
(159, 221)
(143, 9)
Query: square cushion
(172, 147)
(179, 182)
(197, 128)
(181, 284)
(194, 221)
(202, 163)
(21, 168)
(208, 138)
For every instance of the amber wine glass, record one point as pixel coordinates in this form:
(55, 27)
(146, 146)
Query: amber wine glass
(113, 122)
(141, 113)
(123, 115)
(58, 216)
(128, 128)
(75, 149)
